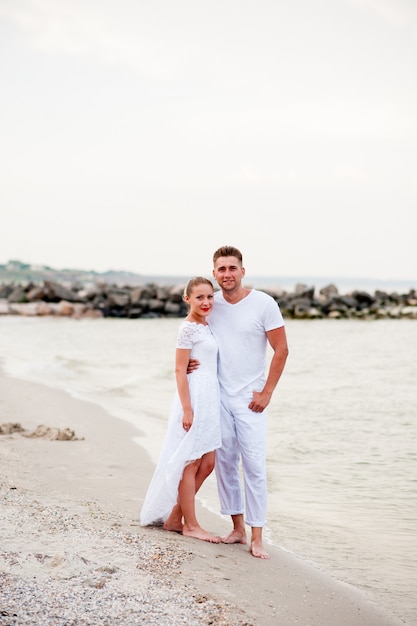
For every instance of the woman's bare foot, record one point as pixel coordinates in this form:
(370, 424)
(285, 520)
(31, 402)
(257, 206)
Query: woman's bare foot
(236, 536)
(257, 550)
(200, 533)
(174, 520)
(174, 528)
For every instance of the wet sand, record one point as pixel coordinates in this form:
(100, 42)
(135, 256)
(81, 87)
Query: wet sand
(72, 549)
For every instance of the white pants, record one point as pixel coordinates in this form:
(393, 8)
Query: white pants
(243, 438)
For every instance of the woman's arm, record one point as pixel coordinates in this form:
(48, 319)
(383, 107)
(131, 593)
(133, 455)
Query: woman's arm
(182, 358)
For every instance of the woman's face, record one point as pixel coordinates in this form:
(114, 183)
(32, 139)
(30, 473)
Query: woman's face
(201, 300)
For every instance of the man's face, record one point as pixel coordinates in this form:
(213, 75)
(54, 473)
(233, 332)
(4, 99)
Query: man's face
(228, 273)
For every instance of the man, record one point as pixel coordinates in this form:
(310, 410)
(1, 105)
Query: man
(243, 321)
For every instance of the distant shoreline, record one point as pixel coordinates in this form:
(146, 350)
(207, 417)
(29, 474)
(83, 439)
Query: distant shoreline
(344, 285)
(18, 272)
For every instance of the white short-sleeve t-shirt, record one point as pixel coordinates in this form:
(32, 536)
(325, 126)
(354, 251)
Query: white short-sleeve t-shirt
(240, 330)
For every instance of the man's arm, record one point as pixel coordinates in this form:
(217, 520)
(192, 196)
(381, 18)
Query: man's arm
(278, 341)
(193, 365)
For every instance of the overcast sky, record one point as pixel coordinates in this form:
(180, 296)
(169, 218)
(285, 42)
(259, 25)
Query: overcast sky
(143, 134)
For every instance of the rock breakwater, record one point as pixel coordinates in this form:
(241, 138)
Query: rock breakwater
(153, 300)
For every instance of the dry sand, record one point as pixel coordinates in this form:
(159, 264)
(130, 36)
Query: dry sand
(72, 551)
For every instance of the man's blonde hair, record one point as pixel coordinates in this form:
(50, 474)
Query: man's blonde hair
(227, 251)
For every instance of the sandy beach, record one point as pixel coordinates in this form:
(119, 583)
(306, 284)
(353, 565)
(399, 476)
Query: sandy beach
(73, 552)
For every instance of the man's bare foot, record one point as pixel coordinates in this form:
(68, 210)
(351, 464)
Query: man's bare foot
(200, 533)
(236, 536)
(257, 550)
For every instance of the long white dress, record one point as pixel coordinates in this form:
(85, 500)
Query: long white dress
(180, 447)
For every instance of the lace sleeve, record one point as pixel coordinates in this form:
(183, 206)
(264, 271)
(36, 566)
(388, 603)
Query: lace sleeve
(186, 336)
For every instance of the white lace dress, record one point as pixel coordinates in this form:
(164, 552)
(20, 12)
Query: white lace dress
(181, 447)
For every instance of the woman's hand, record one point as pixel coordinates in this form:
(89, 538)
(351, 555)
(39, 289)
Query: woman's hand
(187, 420)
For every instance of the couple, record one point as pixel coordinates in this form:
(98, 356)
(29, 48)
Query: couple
(218, 416)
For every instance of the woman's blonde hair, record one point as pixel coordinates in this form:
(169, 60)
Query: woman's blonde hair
(194, 282)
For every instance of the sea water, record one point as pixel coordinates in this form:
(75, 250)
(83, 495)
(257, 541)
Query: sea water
(342, 437)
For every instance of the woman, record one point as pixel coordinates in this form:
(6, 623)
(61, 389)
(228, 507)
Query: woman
(187, 457)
